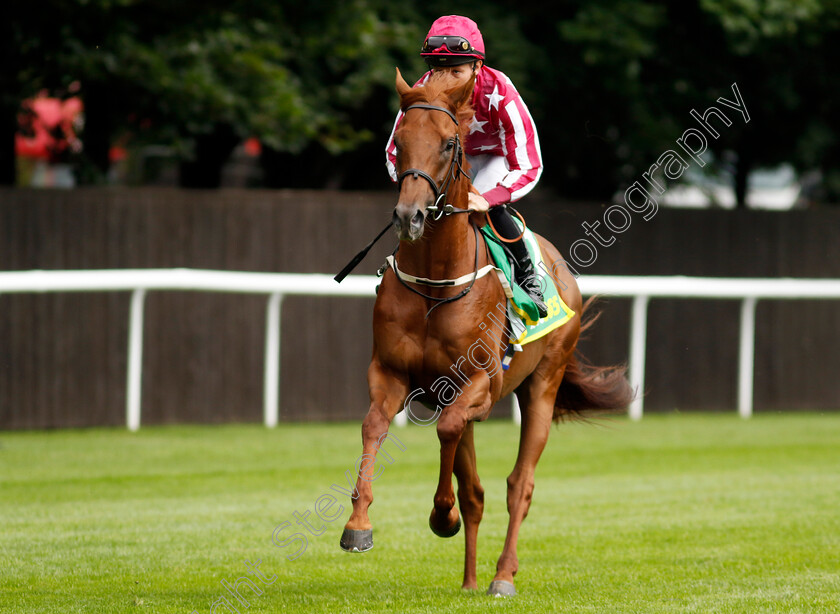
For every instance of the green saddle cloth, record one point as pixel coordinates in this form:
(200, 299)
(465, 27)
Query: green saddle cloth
(520, 304)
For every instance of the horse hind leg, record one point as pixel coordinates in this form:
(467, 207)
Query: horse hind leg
(471, 502)
(537, 404)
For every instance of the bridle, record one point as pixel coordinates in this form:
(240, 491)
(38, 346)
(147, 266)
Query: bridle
(438, 211)
(440, 192)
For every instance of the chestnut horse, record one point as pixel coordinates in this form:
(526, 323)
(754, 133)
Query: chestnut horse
(423, 335)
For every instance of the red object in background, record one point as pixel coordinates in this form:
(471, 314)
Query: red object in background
(117, 154)
(253, 147)
(47, 128)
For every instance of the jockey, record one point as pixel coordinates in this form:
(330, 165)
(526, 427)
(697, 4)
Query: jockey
(502, 146)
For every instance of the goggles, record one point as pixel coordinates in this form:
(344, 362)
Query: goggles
(455, 44)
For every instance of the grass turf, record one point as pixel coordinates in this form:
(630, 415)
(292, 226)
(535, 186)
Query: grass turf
(680, 513)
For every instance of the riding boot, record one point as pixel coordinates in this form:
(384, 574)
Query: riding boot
(525, 275)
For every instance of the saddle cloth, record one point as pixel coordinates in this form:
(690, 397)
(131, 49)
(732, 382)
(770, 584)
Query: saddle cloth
(525, 323)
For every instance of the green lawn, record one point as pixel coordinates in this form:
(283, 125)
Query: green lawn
(679, 513)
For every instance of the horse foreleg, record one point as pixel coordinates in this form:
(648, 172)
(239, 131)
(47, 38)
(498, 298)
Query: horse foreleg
(387, 393)
(444, 520)
(537, 412)
(470, 500)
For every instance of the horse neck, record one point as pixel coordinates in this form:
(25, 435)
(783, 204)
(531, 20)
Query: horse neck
(447, 248)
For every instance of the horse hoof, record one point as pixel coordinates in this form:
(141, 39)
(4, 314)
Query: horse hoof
(501, 588)
(353, 540)
(451, 532)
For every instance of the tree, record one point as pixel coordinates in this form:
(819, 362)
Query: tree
(201, 76)
(627, 74)
(609, 82)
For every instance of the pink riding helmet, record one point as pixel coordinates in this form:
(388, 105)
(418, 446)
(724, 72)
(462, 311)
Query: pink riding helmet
(453, 40)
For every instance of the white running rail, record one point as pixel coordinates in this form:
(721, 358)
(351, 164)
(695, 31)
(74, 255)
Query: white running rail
(278, 285)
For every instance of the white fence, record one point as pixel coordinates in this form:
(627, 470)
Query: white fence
(278, 285)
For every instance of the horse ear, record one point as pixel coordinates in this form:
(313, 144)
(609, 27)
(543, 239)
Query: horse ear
(402, 87)
(462, 94)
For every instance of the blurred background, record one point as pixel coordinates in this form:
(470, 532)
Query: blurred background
(300, 94)
(250, 136)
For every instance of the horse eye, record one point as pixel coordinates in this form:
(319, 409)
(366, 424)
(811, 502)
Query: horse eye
(450, 145)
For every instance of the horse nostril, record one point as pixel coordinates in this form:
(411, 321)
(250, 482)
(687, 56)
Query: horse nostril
(397, 221)
(417, 219)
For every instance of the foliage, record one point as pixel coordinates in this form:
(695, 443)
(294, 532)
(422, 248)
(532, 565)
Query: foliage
(632, 71)
(170, 71)
(610, 83)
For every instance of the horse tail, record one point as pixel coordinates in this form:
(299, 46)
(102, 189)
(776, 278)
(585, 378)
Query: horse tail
(587, 389)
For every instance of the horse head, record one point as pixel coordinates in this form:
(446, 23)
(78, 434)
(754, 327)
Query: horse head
(429, 143)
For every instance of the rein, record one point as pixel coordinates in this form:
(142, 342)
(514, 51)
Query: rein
(438, 211)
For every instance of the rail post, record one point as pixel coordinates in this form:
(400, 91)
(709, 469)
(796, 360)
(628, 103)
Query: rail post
(746, 358)
(271, 382)
(134, 387)
(638, 345)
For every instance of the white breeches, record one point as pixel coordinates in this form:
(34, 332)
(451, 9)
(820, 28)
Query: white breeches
(487, 171)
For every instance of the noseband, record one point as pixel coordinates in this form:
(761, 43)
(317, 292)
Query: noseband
(455, 167)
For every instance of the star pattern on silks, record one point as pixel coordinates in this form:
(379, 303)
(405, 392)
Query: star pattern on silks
(495, 98)
(476, 126)
(486, 147)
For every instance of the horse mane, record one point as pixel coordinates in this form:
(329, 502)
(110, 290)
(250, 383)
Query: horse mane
(437, 90)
